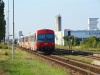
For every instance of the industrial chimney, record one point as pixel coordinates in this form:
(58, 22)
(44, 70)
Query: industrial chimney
(58, 23)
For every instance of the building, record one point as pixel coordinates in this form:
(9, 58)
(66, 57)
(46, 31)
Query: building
(58, 23)
(92, 23)
(91, 31)
(76, 33)
(20, 33)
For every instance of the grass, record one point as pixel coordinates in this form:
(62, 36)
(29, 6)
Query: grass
(94, 50)
(86, 60)
(25, 64)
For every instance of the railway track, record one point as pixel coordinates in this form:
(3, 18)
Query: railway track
(76, 67)
(81, 54)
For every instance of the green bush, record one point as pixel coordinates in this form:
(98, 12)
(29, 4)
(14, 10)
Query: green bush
(98, 45)
(91, 42)
(3, 46)
(0, 45)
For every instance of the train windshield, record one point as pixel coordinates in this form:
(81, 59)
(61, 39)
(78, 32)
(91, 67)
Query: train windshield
(45, 37)
(49, 36)
(41, 36)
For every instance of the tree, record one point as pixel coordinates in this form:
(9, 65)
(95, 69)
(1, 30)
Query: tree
(66, 40)
(2, 21)
(76, 41)
(91, 42)
(71, 41)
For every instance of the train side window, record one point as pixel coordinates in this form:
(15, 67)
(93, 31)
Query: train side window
(22, 39)
(32, 38)
(19, 40)
(26, 39)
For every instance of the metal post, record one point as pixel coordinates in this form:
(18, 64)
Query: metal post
(8, 24)
(71, 44)
(13, 34)
(7, 28)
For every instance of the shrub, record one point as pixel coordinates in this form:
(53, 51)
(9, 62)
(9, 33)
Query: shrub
(0, 45)
(3, 46)
(98, 46)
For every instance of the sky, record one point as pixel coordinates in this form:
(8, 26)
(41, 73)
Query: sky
(31, 15)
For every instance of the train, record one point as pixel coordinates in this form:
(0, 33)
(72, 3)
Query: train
(41, 40)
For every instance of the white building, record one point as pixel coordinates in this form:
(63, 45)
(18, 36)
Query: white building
(92, 23)
(59, 37)
(76, 33)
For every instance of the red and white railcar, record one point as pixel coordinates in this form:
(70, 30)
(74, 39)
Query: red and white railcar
(21, 41)
(27, 41)
(42, 40)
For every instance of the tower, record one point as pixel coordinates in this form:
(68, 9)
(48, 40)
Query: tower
(58, 23)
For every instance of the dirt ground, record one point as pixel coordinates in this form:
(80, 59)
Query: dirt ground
(1, 72)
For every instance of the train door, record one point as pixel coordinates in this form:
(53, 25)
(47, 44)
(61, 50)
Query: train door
(28, 41)
(22, 41)
(32, 42)
(25, 44)
(35, 42)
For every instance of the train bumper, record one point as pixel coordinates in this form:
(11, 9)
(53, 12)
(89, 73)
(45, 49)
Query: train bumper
(47, 49)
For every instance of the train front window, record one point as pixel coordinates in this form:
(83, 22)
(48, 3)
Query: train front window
(45, 37)
(41, 36)
(49, 36)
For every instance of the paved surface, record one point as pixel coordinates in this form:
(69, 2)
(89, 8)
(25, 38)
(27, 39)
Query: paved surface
(96, 55)
(96, 62)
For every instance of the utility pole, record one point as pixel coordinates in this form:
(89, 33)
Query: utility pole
(8, 25)
(13, 54)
